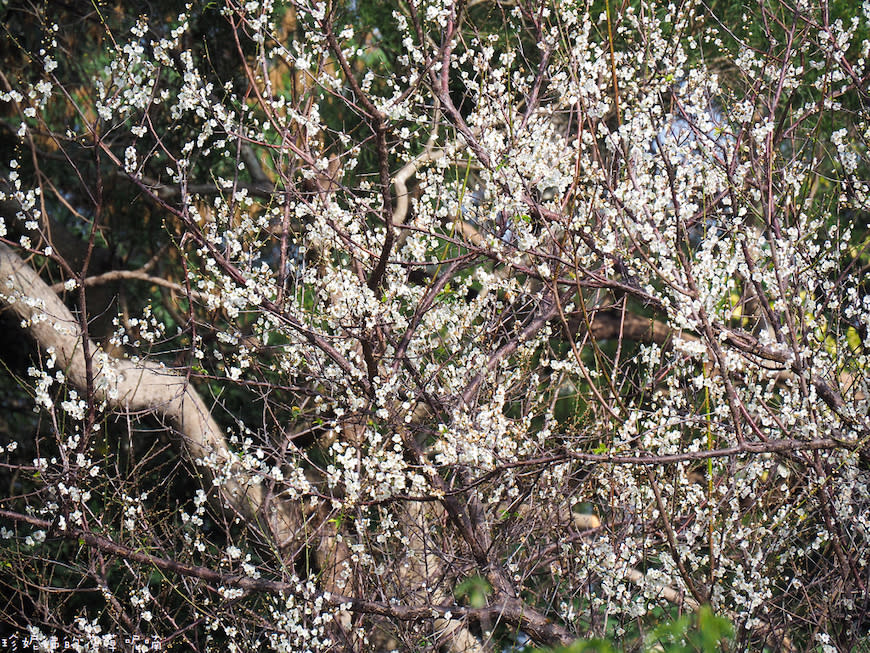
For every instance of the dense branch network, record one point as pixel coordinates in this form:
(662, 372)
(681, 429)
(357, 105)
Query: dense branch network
(487, 322)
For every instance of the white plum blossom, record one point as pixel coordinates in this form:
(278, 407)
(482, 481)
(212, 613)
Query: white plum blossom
(489, 318)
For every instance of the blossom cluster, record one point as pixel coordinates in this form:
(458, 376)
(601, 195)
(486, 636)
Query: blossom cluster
(570, 309)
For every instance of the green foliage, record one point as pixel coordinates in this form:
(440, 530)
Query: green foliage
(701, 632)
(474, 590)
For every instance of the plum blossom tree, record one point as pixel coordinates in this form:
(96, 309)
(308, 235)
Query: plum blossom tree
(449, 325)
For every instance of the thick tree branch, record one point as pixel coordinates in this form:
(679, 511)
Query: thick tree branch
(136, 387)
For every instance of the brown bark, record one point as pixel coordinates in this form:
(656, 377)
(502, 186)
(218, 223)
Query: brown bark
(131, 387)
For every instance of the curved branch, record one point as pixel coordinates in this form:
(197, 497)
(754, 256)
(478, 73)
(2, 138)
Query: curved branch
(612, 324)
(511, 611)
(133, 275)
(136, 387)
